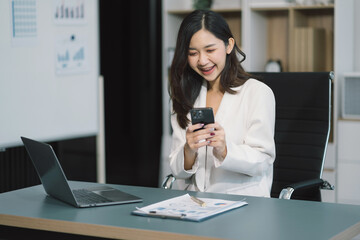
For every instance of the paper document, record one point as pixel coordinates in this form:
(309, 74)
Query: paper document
(186, 207)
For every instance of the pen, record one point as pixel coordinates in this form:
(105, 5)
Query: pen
(198, 201)
(168, 215)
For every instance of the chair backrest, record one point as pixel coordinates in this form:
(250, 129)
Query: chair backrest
(302, 128)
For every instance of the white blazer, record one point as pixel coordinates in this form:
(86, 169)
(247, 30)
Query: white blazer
(248, 119)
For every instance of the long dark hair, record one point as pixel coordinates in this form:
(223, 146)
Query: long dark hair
(185, 83)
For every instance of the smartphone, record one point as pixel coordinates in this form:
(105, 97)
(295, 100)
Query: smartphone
(202, 115)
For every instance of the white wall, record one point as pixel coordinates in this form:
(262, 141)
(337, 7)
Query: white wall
(347, 60)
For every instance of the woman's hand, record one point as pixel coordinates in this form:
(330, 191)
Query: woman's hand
(217, 140)
(198, 136)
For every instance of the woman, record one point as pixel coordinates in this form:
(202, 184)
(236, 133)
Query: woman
(234, 155)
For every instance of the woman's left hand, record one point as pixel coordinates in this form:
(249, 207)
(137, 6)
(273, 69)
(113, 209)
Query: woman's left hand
(217, 141)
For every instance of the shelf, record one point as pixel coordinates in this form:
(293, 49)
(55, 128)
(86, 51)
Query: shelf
(266, 9)
(224, 10)
(297, 7)
(314, 18)
(315, 7)
(268, 32)
(348, 119)
(276, 36)
(232, 16)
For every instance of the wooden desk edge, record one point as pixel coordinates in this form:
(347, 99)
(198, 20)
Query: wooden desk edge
(93, 230)
(349, 233)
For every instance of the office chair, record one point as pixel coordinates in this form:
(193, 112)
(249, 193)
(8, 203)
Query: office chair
(302, 129)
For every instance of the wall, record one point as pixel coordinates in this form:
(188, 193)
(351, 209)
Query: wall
(347, 60)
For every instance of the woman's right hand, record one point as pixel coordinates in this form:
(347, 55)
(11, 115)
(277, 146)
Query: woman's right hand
(196, 137)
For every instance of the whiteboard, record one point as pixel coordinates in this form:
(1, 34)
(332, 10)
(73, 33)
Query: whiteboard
(49, 69)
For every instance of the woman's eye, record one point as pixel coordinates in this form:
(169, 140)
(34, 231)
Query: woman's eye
(210, 50)
(192, 53)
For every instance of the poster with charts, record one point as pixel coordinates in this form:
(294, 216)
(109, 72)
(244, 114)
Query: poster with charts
(69, 12)
(23, 14)
(71, 55)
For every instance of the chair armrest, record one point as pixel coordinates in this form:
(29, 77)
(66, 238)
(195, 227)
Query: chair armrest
(288, 191)
(168, 181)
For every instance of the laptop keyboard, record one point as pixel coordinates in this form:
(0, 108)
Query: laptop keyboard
(87, 197)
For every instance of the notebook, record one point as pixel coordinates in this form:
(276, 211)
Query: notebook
(56, 185)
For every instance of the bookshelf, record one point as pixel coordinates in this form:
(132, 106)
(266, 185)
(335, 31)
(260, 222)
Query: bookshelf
(232, 16)
(317, 23)
(266, 33)
(266, 37)
(276, 31)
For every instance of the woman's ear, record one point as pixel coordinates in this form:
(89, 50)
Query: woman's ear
(230, 45)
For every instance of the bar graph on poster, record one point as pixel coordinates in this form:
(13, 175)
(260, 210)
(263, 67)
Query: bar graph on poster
(71, 55)
(69, 12)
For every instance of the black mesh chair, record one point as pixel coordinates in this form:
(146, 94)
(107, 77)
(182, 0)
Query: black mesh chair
(302, 129)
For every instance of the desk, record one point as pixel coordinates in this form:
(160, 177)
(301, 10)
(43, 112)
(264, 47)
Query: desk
(263, 218)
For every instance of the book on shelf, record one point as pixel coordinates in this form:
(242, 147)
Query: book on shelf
(310, 49)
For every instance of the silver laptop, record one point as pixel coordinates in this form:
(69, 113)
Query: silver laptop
(56, 185)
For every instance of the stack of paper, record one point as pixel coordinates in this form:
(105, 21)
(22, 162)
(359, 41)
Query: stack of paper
(186, 208)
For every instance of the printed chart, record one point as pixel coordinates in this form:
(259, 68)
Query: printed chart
(23, 19)
(71, 55)
(69, 12)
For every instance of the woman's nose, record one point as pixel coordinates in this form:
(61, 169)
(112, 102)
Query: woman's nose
(203, 59)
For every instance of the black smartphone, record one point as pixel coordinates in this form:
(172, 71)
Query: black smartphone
(202, 115)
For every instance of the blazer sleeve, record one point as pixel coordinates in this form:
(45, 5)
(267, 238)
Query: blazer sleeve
(256, 154)
(176, 158)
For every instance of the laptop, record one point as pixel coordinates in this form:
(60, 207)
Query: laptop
(56, 185)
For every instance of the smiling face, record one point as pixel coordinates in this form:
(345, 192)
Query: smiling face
(207, 54)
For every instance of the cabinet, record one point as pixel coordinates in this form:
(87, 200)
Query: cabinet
(348, 162)
(264, 30)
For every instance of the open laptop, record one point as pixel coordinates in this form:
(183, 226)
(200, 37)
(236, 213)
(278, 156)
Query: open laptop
(56, 185)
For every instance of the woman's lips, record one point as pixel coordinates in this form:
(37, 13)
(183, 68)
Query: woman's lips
(207, 71)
